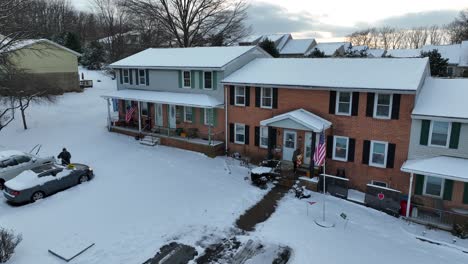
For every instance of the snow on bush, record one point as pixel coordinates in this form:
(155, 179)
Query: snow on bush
(8, 243)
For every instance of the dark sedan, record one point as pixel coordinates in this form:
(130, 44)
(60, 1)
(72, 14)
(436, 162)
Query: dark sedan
(37, 183)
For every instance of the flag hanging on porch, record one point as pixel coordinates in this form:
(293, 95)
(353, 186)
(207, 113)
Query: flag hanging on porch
(320, 151)
(129, 114)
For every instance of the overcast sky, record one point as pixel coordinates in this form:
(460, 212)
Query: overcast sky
(331, 19)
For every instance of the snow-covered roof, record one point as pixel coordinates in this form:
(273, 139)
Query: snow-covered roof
(359, 47)
(23, 44)
(442, 166)
(450, 52)
(464, 54)
(9, 153)
(404, 53)
(376, 53)
(356, 73)
(183, 99)
(302, 117)
(297, 46)
(329, 48)
(443, 98)
(199, 57)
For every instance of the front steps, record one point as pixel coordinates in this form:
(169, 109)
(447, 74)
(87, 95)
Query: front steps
(150, 141)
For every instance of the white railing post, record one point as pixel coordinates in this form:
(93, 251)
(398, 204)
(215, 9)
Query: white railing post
(139, 116)
(109, 123)
(408, 205)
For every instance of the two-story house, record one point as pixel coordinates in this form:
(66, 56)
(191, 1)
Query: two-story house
(176, 95)
(276, 106)
(438, 152)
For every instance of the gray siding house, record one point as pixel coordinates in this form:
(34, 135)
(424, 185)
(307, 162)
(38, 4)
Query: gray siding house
(175, 96)
(438, 153)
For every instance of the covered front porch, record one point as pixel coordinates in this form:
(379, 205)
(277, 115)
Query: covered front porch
(189, 121)
(296, 130)
(440, 193)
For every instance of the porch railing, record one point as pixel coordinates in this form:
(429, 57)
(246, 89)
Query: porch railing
(437, 217)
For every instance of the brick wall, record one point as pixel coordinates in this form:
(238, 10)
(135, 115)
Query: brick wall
(358, 127)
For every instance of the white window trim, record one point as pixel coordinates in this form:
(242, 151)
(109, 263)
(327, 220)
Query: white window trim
(372, 152)
(236, 95)
(235, 134)
(127, 76)
(373, 182)
(389, 110)
(442, 187)
(334, 148)
(183, 79)
(449, 132)
(261, 98)
(337, 106)
(204, 84)
(205, 116)
(139, 77)
(185, 115)
(260, 137)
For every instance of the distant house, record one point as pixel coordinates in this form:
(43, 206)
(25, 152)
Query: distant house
(297, 47)
(404, 53)
(331, 49)
(464, 58)
(376, 53)
(450, 52)
(46, 59)
(280, 40)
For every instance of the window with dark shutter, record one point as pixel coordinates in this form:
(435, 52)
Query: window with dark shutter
(366, 152)
(275, 98)
(419, 185)
(231, 94)
(396, 106)
(247, 96)
(355, 104)
(391, 155)
(330, 147)
(448, 190)
(332, 103)
(121, 76)
(465, 193)
(257, 136)
(424, 136)
(351, 147)
(455, 135)
(370, 104)
(247, 135)
(257, 96)
(231, 132)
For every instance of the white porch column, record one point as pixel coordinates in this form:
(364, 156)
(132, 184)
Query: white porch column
(139, 116)
(408, 205)
(108, 114)
(209, 124)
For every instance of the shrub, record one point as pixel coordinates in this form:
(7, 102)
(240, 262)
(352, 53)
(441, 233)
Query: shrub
(8, 243)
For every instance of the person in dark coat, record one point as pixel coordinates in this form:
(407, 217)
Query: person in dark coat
(296, 153)
(65, 156)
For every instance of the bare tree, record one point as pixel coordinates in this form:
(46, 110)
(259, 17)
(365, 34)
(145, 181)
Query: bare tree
(196, 22)
(458, 29)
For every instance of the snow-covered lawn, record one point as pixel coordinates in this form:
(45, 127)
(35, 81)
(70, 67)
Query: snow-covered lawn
(370, 236)
(141, 198)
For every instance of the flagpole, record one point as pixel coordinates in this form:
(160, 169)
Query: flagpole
(324, 175)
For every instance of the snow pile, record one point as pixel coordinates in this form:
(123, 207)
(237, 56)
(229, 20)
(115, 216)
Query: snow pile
(29, 179)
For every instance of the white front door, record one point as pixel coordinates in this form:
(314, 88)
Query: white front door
(289, 144)
(159, 115)
(308, 144)
(172, 116)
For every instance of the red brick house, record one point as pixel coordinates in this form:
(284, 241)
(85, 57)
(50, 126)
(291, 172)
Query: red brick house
(364, 105)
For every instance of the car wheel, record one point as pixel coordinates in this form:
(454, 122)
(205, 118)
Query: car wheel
(83, 178)
(2, 184)
(37, 196)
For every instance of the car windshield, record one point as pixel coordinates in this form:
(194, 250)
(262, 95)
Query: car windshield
(8, 163)
(22, 159)
(46, 168)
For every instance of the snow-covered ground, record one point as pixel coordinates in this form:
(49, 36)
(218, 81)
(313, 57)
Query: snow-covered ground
(369, 236)
(141, 198)
(144, 197)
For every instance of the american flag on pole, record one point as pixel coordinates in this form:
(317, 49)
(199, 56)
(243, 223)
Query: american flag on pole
(320, 151)
(129, 114)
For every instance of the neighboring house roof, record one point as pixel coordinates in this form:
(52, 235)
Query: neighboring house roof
(442, 166)
(199, 57)
(450, 52)
(280, 40)
(464, 54)
(360, 48)
(329, 48)
(375, 53)
(404, 53)
(305, 119)
(24, 44)
(356, 73)
(297, 46)
(443, 98)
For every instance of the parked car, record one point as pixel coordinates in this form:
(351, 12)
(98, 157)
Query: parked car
(39, 182)
(14, 162)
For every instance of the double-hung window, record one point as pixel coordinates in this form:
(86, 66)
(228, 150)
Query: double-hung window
(142, 77)
(266, 97)
(264, 137)
(144, 109)
(439, 134)
(209, 117)
(433, 186)
(128, 104)
(240, 95)
(187, 79)
(188, 114)
(378, 154)
(126, 76)
(340, 148)
(343, 103)
(383, 106)
(208, 80)
(239, 133)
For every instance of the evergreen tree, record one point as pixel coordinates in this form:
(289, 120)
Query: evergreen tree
(352, 53)
(270, 47)
(316, 53)
(72, 41)
(437, 63)
(93, 56)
